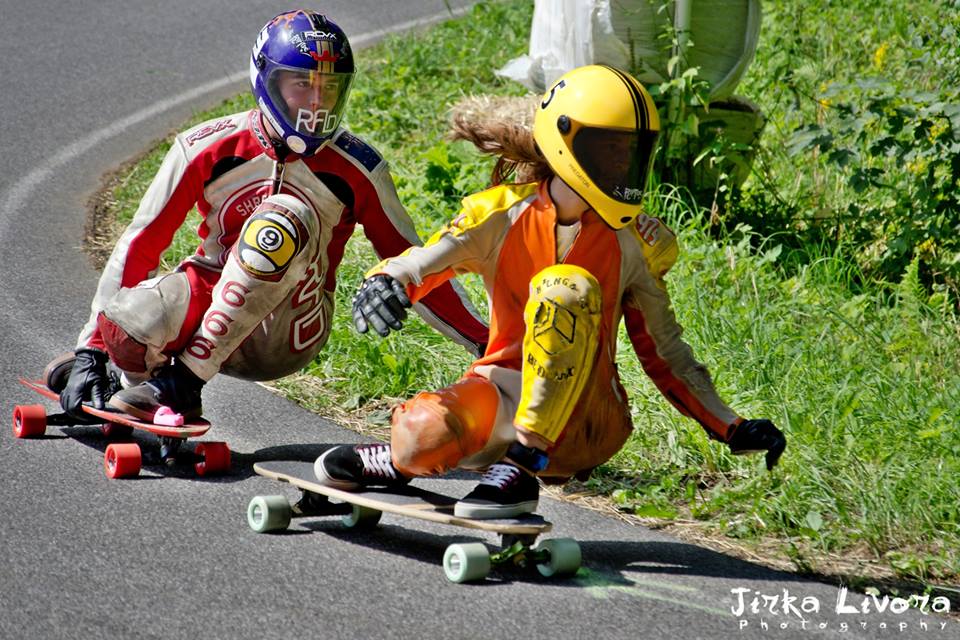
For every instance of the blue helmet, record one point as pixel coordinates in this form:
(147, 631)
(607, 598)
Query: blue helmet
(301, 69)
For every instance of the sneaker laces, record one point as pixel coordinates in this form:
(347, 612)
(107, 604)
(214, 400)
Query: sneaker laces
(377, 461)
(500, 475)
(173, 387)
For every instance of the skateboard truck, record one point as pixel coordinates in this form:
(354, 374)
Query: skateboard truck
(315, 505)
(169, 447)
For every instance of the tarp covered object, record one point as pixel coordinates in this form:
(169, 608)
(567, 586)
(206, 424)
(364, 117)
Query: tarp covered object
(566, 34)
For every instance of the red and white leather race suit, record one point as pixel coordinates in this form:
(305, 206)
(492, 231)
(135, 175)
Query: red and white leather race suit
(227, 168)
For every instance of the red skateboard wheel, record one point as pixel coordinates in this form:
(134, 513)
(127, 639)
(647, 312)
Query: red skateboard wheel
(214, 458)
(29, 420)
(122, 460)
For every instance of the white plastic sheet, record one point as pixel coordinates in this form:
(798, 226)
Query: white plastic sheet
(628, 34)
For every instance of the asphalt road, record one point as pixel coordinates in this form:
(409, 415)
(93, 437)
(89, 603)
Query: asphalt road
(84, 87)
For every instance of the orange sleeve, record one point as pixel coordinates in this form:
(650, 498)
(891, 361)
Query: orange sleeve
(691, 391)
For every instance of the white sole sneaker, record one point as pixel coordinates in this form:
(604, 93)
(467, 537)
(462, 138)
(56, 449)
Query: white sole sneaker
(327, 480)
(493, 511)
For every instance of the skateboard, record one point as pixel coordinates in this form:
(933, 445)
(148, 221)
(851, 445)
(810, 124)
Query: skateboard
(362, 510)
(123, 460)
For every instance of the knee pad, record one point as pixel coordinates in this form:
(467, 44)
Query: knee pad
(433, 431)
(562, 297)
(138, 323)
(125, 351)
(276, 233)
(562, 318)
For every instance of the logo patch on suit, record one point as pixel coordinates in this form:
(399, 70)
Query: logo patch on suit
(270, 241)
(554, 327)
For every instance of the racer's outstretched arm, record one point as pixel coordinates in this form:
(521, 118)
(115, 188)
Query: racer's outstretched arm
(685, 382)
(669, 361)
(397, 283)
(386, 224)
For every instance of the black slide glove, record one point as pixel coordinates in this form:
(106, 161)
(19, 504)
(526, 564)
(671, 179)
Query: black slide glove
(88, 381)
(380, 303)
(752, 436)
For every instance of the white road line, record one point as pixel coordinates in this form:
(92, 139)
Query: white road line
(18, 194)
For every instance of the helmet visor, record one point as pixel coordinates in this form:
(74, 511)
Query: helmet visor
(311, 102)
(617, 161)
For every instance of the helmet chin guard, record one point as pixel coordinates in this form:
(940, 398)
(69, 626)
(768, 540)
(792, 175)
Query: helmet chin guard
(301, 71)
(598, 127)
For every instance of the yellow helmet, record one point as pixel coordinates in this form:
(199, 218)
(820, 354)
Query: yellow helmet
(597, 127)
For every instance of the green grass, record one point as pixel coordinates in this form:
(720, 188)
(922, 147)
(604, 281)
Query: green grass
(865, 390)
(863, 381)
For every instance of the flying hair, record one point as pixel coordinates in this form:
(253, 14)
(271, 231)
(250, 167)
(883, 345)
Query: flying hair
(502, 127)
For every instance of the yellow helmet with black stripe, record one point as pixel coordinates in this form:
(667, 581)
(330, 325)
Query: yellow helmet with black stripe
(597, 128)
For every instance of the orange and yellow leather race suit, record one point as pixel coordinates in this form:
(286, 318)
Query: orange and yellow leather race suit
(549, 366)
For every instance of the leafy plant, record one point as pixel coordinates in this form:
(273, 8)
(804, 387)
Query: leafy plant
(865, 150)
(681, 100)
(899, 152)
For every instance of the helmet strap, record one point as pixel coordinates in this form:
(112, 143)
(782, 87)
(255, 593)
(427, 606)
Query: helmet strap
(279, 168)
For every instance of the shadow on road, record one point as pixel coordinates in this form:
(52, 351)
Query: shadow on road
(616, 563)
(241, 462)
(665, 558)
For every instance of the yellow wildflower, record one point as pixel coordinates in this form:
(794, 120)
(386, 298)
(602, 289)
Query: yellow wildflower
(935, 131)
(880, 56)
(918, 166)
(824, 102)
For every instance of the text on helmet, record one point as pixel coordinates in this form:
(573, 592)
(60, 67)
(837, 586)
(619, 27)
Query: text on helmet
(310, 120)
(319, 35)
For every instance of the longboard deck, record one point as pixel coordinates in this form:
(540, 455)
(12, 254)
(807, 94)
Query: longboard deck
(190, 429)
(409, 501)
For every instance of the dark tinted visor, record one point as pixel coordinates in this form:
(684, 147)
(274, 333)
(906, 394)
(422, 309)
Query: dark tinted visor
(616, 161)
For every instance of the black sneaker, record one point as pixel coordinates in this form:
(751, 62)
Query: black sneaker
(505, 491)
(174, 386)
(350, 467)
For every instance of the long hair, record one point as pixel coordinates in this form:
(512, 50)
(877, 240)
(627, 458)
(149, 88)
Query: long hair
(502, 127)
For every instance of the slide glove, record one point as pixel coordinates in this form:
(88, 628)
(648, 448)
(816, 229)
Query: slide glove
(752, 436)
(380, 303)
(88, 381)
